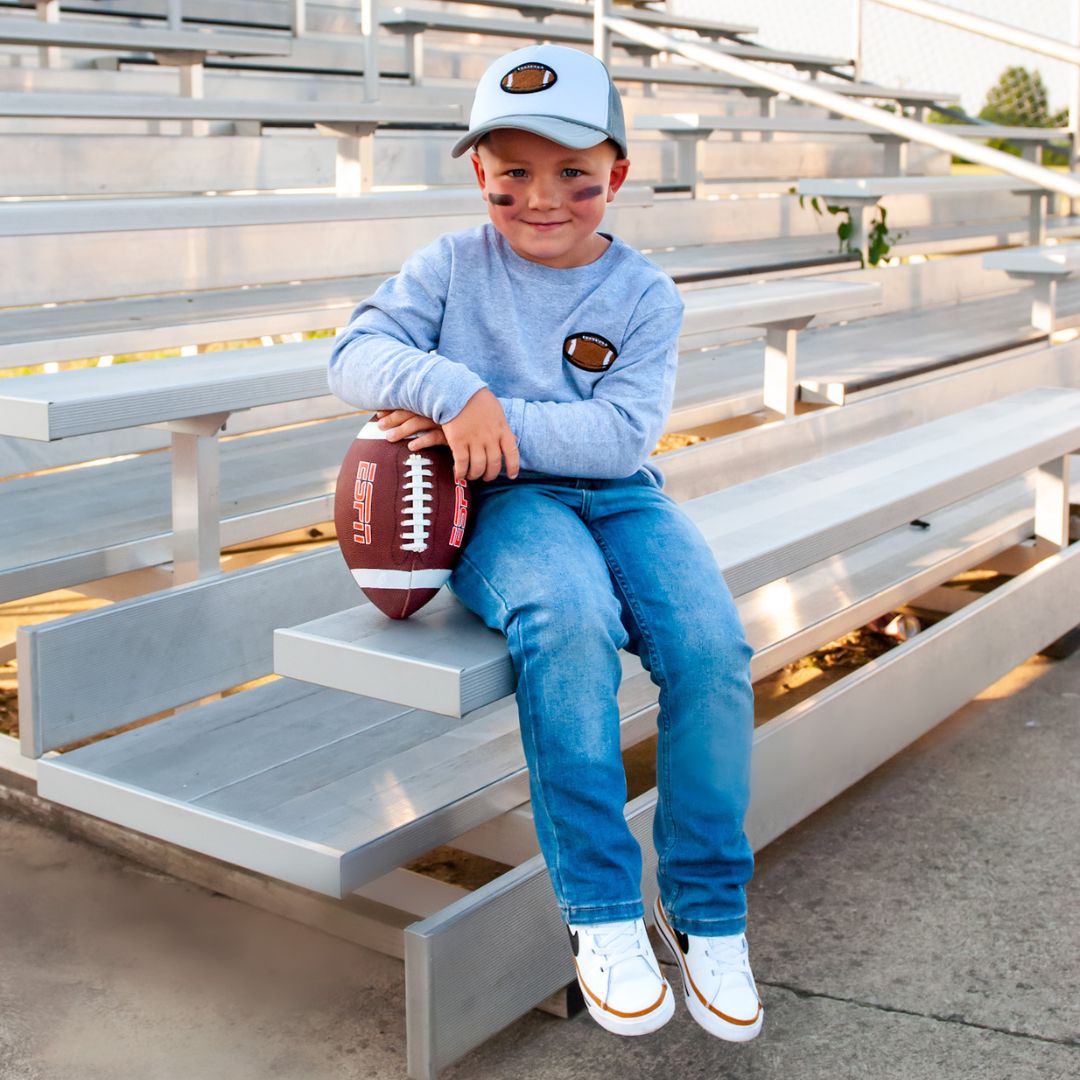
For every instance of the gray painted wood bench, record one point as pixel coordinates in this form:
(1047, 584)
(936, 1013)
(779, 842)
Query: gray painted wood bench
(331, 791)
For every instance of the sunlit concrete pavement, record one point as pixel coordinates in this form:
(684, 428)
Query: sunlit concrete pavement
(924, 925)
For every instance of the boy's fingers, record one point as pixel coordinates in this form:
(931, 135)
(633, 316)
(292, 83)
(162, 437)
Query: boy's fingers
(494, 463)
(510, 453)
(461, 462)
(416, 424)
(392, 417)
(477, 462)
(428, 438)
(412, 426)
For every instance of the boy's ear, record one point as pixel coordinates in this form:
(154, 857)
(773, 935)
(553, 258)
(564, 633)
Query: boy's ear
(478, 168)
(618, 175)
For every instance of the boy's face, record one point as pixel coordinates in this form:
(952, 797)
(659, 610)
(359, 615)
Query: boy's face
(548, 199)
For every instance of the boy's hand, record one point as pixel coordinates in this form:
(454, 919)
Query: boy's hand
(478, 436)
(480, 439)
(401, 423)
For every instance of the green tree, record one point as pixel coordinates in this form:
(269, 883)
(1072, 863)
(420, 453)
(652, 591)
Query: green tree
(1019, 99)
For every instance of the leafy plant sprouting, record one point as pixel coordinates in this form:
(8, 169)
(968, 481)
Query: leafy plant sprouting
(879, 241)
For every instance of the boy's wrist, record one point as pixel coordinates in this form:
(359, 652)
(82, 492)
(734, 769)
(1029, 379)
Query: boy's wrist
(514, 408)
(456, 391)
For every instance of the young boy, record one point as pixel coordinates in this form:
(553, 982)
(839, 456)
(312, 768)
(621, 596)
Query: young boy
(543, 353)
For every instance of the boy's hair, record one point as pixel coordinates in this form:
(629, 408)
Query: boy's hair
(607, 142)
(559, 93)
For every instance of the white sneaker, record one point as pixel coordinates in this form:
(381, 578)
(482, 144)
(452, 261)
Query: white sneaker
(720, 990)
(625, 991)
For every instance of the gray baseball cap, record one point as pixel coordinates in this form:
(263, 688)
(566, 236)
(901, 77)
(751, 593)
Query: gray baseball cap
(563, 94)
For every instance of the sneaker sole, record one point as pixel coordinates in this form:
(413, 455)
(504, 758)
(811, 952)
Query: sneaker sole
(638, 1025)
(713, 1024)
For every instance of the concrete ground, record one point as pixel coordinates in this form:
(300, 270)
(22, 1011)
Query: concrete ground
(923, 925)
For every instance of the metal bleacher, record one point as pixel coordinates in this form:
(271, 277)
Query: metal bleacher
(867, 433)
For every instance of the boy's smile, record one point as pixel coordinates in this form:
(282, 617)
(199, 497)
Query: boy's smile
(545, 198)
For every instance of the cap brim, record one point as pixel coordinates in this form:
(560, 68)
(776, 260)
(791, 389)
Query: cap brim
(564, 132)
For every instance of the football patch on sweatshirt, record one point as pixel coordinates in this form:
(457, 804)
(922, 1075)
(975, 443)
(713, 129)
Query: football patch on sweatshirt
(590, 352)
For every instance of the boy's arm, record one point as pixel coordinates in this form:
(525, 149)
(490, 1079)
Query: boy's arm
(384, 358)
(612, 433)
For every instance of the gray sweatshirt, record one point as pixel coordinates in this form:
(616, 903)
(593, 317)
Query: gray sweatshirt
(582, 360)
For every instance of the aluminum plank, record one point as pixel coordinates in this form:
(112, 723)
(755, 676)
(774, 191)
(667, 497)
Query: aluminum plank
(766, 302)
(672, 123)
(195, 754)
(130, 499)
(21, 456)
(830, 504)
(178, 258)
(1057, 259)
(140, 639)
(87, 400)
(96, 165)
(725, 381)
(195, 212)
(282, 856)
(406, 20)
(643, 15)
(878, 187)
(87, 35)
(141, 324)
(138, 107)
(270, 483)
(694, 77)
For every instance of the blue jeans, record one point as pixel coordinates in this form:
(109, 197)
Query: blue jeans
(571, 571)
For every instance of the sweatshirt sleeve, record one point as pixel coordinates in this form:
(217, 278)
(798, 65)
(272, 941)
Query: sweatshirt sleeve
(612, 433)
(387, 358)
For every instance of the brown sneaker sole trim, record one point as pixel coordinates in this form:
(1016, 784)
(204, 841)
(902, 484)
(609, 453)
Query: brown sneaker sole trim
(685, 969)
(616, 1012)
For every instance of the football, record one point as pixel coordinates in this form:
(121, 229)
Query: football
(401, 519)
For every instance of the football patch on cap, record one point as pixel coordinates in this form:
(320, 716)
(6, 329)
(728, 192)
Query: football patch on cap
(590, 352)
(529, 79)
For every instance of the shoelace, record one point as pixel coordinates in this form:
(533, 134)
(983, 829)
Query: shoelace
(729, 952)
(618, 945)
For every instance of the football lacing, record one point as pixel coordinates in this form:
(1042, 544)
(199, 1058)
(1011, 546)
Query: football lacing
(416, 513)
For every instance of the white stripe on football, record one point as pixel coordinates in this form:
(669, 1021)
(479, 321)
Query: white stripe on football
(401, 579)
(371, 430)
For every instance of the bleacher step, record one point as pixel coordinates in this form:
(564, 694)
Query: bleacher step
(446, 660)
(328, 790)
